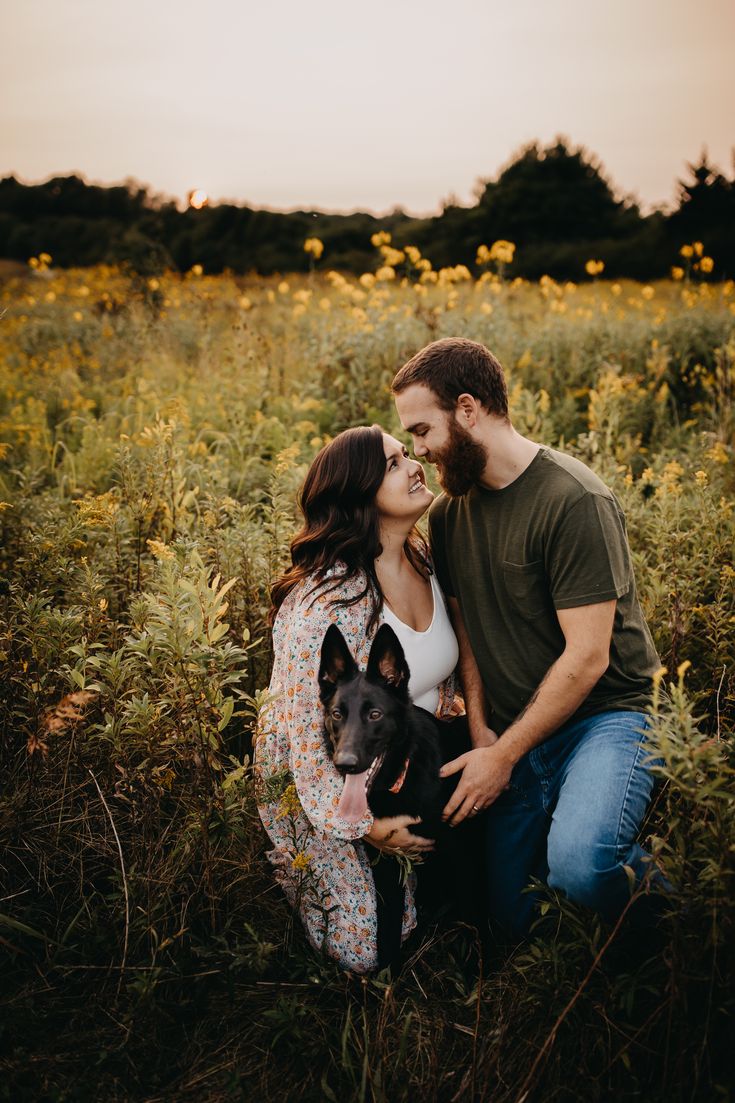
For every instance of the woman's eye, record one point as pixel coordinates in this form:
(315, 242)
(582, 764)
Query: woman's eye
(336, 714)
(374, 714)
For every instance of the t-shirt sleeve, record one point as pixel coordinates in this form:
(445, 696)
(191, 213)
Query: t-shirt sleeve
(588, 560)
(437, 544)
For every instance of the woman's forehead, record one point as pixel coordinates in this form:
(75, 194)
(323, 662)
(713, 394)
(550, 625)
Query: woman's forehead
(391, 445)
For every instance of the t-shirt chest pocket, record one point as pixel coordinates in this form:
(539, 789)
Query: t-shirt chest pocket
(528, 589)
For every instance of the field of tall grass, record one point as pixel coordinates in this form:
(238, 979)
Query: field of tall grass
(153, 435)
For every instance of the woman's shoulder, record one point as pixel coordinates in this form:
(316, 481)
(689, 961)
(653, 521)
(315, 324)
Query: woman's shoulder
(321, 588)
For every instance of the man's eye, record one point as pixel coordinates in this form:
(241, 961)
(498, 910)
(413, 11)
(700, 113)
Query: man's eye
(336, 714)
(374, 714)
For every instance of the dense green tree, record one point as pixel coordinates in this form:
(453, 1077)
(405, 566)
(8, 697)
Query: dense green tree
(706, 213)
(554, 202)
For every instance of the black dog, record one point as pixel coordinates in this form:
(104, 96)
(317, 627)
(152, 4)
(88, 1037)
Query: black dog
(390, 753)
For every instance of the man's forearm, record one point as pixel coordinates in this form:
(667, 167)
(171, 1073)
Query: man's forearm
(566, 685)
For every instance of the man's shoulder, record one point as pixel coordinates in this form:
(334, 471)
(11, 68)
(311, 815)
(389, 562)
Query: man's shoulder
(438, 508)
(572, 478)
(446, 512)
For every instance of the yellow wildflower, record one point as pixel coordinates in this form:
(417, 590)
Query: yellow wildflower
(698, 248)
(385, 273)
(594, 267)
(382, 237)
(289, 804)
(718, 453)
(701, 477)
(314, 247)
(502, 252)
(647, 292)
(677, 273)
(244, 302)
(706, 264)
(159, 550)
(367, 279)
(301, 862)
(687, 252)
(196, 270)
(283, 288)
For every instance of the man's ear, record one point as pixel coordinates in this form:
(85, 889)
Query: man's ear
(336, 663)
(467, 410)
(387, 662)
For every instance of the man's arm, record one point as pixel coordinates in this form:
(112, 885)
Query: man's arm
(472, 687)
(486, 770)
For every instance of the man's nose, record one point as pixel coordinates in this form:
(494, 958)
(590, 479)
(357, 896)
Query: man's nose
(419, 448)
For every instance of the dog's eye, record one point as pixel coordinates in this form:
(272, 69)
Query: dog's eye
(336, 714)
(374, 714)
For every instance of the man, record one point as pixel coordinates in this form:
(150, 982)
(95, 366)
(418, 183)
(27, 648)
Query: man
(556, 659)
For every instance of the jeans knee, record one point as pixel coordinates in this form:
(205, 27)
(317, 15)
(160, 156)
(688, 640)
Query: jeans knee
(583, 872)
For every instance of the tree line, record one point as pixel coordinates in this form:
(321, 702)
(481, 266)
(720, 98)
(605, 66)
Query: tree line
(554, 202)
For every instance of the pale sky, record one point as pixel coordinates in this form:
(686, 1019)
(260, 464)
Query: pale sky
(338, 105)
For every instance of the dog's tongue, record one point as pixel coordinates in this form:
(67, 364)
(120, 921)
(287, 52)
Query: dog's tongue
(353, 802)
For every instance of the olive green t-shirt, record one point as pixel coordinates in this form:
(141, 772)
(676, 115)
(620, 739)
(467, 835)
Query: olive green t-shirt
(553, 539)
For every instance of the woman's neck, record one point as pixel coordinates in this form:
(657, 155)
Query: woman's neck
(392, 541)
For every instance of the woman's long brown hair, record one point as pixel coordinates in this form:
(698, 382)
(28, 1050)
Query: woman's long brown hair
(341, 522)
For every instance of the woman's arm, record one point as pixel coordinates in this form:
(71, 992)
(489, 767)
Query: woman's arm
(472, 688)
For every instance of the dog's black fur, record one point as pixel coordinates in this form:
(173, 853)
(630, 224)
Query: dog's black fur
(370, 714)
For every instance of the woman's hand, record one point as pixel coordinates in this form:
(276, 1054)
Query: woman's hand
(482, 736)
(392, 833)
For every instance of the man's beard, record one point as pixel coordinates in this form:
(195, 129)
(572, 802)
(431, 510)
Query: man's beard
(461, 463)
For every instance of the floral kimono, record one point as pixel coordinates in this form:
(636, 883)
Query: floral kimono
(319, 858)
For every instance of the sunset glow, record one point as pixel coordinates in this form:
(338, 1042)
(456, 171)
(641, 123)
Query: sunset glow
(198, 199)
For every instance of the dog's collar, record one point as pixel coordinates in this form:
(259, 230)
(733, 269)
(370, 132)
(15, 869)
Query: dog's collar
(398, 783)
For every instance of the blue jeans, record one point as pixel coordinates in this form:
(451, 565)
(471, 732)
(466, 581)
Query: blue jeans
(571, 817)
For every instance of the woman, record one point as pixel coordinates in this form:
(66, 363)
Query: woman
(357, 561)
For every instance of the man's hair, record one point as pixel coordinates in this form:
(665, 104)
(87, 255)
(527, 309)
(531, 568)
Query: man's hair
(454, 366)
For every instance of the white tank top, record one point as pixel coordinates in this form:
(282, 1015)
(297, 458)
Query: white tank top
(431, 655)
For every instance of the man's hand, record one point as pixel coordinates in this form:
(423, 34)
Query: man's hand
(391, 833)
(485, 774)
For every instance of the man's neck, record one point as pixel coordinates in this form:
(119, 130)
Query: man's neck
(508, 456)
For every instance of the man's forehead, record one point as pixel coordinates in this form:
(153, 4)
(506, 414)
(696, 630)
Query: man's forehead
(416, 404)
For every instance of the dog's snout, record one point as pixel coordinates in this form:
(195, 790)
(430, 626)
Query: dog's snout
(346, 760)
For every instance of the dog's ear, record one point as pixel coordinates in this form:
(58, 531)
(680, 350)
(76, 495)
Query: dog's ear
(336, 662)
(387, 661)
